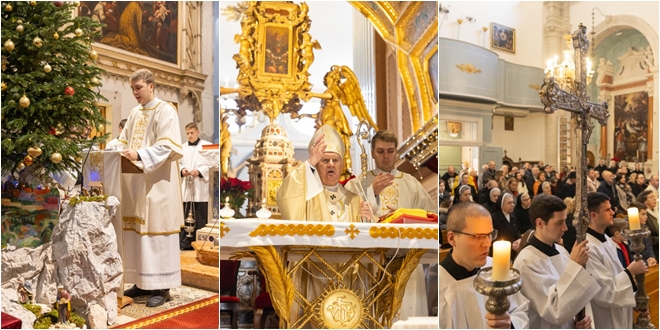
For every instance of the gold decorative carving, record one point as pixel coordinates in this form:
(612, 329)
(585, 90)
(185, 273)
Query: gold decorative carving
(408, 265)
(404, 233)
(422, 145)
(535, 86)
(224, 229)
(468, 68)
(294, 230)
(278, 280)
(341, 309)
(352, 231)
(275, 53)
(273, 185)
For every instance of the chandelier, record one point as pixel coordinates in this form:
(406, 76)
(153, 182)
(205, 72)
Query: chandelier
(564, 72)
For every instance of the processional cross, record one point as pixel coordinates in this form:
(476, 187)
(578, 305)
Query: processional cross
(582, 110)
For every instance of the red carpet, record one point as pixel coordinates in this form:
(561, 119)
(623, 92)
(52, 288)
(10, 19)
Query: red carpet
(202, 314)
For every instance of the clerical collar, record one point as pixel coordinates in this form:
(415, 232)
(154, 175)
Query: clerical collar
(548, 250)
(378, 171)
(332, 188)
(456, 271)
(599, 236)
(194, 143)
(150, 104)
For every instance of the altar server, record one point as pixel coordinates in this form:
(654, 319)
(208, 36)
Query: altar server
(312, 190)
(151, 202)
(556, 283)
(195, 183)
(613, 303)
(470, 233)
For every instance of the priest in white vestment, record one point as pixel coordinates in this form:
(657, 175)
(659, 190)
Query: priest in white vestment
(312, 192)
(556, 283)
(195, 184)
(152, 207)
(388, 190)
(613, 305)
(470, 233)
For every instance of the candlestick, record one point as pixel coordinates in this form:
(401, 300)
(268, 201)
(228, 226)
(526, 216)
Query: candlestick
(501, 260)
(227, 212)
(497, 291)
(633, 218)
(641, 298)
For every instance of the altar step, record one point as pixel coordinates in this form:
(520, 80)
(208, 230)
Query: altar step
(195, 274)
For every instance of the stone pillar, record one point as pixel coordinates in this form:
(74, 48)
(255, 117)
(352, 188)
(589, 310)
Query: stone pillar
(554, 28)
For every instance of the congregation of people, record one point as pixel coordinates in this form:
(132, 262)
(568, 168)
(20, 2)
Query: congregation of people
(533, 208)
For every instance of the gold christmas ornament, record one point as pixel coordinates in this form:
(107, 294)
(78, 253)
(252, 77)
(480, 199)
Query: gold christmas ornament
(34, 152)
(27, 160)
(20, 28)
(8, 8)
(56, 157)
(56, 36)
(24, 101)
(19, 22)
(78, 159)
(37, 42)
(9, 45)
(76, 3)
(20, 166)
(93, 55)
(33, 3)
(78, 32)
(95, 81)
(4, 86)
(47, 68)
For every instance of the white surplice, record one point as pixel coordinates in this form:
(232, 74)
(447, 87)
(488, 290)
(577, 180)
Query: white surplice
(462, 307)
(556, 287)
(152, 207)
(614, 302)
(198, 191)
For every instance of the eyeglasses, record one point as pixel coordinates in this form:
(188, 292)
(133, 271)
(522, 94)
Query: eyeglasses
(492, 235)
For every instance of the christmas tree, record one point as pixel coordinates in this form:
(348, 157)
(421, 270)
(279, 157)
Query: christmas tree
(50, 86)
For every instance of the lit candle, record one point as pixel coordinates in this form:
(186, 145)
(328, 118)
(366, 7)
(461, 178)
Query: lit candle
(633, 218)
(226, 201)
(501, 260)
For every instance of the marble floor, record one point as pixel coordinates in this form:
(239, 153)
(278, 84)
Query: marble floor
(181, 295)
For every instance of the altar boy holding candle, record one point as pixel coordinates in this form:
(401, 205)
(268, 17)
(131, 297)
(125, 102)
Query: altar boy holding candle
(614, 302)
(648, 255)
(470, 233)
(556, 283)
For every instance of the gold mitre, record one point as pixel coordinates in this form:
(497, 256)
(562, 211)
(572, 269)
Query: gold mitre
(333, 140)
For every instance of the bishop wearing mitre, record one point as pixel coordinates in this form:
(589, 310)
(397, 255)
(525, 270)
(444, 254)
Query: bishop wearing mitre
(312, 191)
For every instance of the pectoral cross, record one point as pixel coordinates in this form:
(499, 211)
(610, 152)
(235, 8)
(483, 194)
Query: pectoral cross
(582, 110)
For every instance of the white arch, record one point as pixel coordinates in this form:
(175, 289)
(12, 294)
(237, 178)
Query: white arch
(614, 23)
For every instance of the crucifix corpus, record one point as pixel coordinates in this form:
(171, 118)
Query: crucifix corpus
(582, 110)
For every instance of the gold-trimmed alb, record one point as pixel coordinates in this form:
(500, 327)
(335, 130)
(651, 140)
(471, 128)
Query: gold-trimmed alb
(168, 139)
(405, 233)
(293, 230)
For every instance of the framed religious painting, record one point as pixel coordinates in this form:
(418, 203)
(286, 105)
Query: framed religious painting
(276, 57)
(632, 126)
(503, 38)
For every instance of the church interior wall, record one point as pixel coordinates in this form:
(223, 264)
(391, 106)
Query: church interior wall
(523, 16)
(526, 139)
(580, 12)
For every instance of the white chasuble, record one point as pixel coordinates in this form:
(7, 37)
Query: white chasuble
(302, 196)
(152, 207)
(404, 192)
(198, 189)
(462, 307)
(556, 287)
(613, 305)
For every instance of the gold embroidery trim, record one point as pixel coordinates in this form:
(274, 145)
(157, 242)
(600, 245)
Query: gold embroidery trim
(154, 108)
(224, 229)
(406, 233)
(134, 220)
(166, 138)
(294, 230)
(153, 233)
(140, 128)
(352, 231)
(172, 314)
(122, 141)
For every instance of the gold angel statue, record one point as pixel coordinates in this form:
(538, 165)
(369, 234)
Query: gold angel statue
(336, 94)
(225, 147)
(307, 52)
